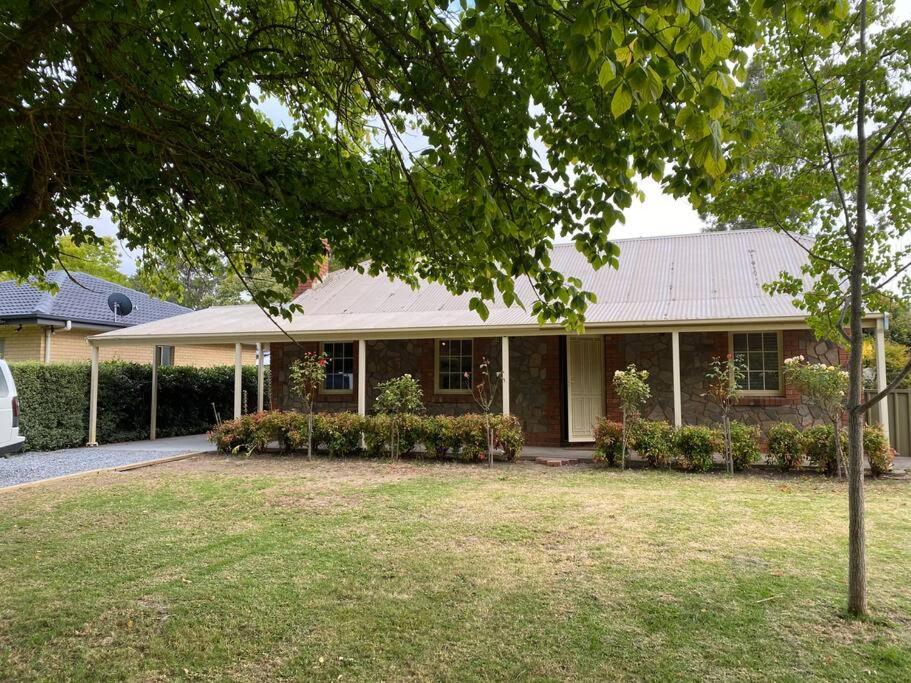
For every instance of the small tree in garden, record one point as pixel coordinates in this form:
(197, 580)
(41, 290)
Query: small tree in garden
(824, 385)
(398, 397)
(723, 379)
(631, 387)
(307, 375)
(484, 393)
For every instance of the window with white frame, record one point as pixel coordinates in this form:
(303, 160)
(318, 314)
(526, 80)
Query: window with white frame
(340, 366)
(758, 357)
(454, 365)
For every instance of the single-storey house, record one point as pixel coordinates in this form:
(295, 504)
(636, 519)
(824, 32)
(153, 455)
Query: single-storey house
(674, 304)
(52, 327)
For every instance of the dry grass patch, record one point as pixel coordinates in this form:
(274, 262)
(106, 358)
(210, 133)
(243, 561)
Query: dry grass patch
(214, 568)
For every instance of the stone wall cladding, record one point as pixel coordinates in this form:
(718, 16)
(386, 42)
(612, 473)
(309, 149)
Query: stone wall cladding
(652, 352)
(386, 359)
(536, 388)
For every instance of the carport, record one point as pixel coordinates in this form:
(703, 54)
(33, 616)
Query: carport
(101, 340)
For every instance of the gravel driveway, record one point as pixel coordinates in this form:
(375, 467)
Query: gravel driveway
(37, 465)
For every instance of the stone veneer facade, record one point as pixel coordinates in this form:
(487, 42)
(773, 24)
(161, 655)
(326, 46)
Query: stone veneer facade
(537, 395)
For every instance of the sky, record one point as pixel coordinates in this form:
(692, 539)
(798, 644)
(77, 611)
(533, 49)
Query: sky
(657, 214)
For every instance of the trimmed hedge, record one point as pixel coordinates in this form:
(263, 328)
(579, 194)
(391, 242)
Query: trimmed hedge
(55, 401)
(463, 437)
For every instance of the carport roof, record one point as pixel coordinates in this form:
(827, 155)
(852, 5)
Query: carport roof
(661, 281)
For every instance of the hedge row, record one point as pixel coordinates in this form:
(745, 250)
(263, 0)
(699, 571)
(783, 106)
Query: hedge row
(693, 447)
(55, 401)
(339, 434)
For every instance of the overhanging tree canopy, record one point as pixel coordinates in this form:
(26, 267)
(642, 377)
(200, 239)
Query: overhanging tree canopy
(526, 119)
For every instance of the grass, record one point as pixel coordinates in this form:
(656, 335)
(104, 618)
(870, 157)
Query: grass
(229, 569)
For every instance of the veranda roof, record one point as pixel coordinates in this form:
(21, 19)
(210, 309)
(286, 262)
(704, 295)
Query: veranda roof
(684, 280)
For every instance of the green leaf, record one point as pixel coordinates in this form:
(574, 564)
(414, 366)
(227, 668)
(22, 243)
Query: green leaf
(694, 6)
(606, 73)
(621, 101)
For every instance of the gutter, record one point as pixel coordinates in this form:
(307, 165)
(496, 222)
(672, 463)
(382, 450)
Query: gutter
(135, 338)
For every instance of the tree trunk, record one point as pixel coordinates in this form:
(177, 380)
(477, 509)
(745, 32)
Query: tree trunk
(623, 447)
(310, 434)
(728, 454)
(489, 440)
(857, 570)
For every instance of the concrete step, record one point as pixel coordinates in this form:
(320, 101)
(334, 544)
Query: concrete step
(560, 461)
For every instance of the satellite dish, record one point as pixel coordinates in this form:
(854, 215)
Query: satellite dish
(120, 304)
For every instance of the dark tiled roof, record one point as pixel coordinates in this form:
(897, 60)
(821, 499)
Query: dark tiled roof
(86, 302)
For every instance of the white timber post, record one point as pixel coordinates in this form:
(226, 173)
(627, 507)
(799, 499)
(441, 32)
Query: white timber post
(238, 377)
(678, 400)
(504, 351)
(48, 332)
(93, 399)
(153, 419)
(361, 377)
(881, 381)
(260, 377)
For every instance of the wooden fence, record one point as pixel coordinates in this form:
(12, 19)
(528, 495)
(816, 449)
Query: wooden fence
(899, 420)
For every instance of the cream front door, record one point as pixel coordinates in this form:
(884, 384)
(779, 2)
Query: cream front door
(586, 386)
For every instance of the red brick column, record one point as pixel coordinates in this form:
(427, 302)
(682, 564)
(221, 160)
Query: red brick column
(614, 359)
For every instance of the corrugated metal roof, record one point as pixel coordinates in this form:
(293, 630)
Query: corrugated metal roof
(679, 279)
(85, 302)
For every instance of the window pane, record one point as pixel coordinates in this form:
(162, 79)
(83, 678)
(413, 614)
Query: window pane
(770, 341)
(755, 342)
(771, 360)
(756, 383)
(755, 361)
(771, 381)
(740, 343)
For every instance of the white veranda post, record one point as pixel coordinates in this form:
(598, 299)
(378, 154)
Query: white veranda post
(881, 381)
(678, 400)
(504, 350)
(153, 418)
(361, 377)
(93, 399)
(260, 377)
(238, 378)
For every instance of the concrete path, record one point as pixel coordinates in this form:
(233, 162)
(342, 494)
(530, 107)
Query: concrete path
(38, 465)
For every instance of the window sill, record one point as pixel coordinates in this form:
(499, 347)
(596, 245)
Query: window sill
(765, 401)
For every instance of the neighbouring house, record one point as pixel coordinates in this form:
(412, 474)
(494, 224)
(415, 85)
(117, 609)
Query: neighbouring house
(674, 304)
(37, 325)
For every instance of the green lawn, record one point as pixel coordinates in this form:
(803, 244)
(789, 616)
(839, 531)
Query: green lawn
(267, 568)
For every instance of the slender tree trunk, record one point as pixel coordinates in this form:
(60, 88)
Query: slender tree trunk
(310, 433)
(623, 447)
(857, 570)
(728, 455)
(489, 440)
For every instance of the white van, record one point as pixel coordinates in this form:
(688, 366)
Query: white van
(10, 441)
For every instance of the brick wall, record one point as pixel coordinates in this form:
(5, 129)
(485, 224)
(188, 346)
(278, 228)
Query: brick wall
(536, 387)
(653, 353)
(385, 359)
(71, 346)
(21, 345)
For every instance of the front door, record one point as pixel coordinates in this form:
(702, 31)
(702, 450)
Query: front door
(584, 360)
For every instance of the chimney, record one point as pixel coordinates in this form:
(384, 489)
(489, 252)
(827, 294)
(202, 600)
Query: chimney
(311, 283)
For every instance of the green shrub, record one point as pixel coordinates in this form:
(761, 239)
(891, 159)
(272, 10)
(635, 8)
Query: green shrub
(785, 446)
(438, 435)
(818, 445)
(55, 401)
(471, 434)
(653, 440)
(340, 433)
(744, 445)
(508, 436)
(608, 441)
(695, 446)
(877, 450)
